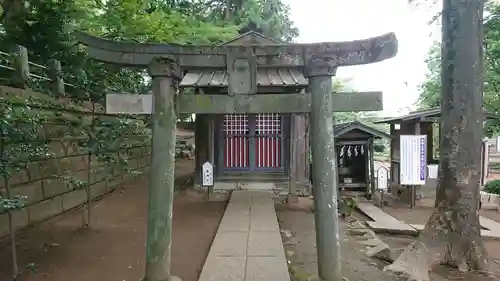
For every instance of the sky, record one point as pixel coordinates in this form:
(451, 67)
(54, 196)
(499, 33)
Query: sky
(344, 20)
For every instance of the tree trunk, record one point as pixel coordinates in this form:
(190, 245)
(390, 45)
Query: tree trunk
(452, 234)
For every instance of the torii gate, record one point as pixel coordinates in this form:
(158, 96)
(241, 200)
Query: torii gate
(167, 63)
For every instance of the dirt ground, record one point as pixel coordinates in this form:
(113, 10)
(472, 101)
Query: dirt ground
(113, 249)
(299, 239)
(419, 215)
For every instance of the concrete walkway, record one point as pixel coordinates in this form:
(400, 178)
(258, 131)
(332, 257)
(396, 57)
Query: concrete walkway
(247, 246)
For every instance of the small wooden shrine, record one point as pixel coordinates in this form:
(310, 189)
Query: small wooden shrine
(355, 155)
(259, 146)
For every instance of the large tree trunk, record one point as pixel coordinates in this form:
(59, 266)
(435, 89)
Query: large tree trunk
(452, 234)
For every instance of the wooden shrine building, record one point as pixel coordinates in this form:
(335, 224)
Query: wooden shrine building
(244, 147)
(423, 122)
(355, 156)
(247, 147)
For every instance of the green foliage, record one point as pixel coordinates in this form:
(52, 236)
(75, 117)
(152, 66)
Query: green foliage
(492, 187)
(12, 203)
(379, 147)
(430, 90)
(110, 140)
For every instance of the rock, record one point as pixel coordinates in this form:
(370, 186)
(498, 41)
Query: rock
(314, 278)
(302, 204)
(356, 224)
(287, 233)
(367, 236)
(370, 242)
(395, 253)
(381, 252)
(358, 231)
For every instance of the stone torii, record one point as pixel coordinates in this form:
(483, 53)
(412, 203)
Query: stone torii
(166, 64)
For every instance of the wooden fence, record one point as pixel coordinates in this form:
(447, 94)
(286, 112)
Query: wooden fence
(57, 152)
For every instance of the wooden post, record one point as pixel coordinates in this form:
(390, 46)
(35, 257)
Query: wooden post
(8, 194)
(292, 177)
(55, 75)
(161, 186)
(324, 172)
(87, 216)
(21, 66)
(413, 188)
(372, 166)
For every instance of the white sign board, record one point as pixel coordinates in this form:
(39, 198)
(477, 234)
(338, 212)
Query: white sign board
(413, 159)
(382, 175)
(129, 104)
(207, 174)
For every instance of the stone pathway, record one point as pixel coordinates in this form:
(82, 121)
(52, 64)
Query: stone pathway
(247, 246)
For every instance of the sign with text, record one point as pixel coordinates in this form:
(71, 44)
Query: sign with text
(207, 174)
(413, 159)
(382, 175)
(129, 104)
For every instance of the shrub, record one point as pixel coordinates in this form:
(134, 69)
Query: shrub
(379, 147)
(493, 187)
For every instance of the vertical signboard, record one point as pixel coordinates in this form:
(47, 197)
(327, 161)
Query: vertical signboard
(207, 174)
(382, 181)
(413, 159)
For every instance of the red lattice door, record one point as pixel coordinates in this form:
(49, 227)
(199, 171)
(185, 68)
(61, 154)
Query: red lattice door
(268, 141)
(236, 148)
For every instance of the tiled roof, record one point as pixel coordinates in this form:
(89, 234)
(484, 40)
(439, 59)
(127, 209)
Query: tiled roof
(274, 77)
(436, 112)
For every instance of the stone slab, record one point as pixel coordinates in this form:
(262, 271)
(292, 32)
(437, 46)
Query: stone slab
(383, 222)
(232, 222)
(224, 186)
(224, 269)
(45, 209)
(492, 230)
(258, 186)
(266, 268)
(490, 224)
(265, 243)
(230, 244)
(263, 223)
(484, 233)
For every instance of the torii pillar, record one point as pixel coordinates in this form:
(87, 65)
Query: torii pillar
(165, 74)
(325, 191)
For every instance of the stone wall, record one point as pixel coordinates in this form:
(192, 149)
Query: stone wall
(48, 196)
(52, 184)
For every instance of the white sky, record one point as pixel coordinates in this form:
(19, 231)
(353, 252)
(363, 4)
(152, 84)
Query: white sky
(345, 20)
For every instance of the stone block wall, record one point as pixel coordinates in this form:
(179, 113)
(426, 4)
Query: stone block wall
(52, 183)
(48, 196)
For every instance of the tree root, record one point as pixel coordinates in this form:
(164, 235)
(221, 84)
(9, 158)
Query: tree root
(432, 249)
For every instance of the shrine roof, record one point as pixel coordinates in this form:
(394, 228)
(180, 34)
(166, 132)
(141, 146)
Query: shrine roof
(266, 77)
(343, 128)
(422, 115)
(252, 38)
